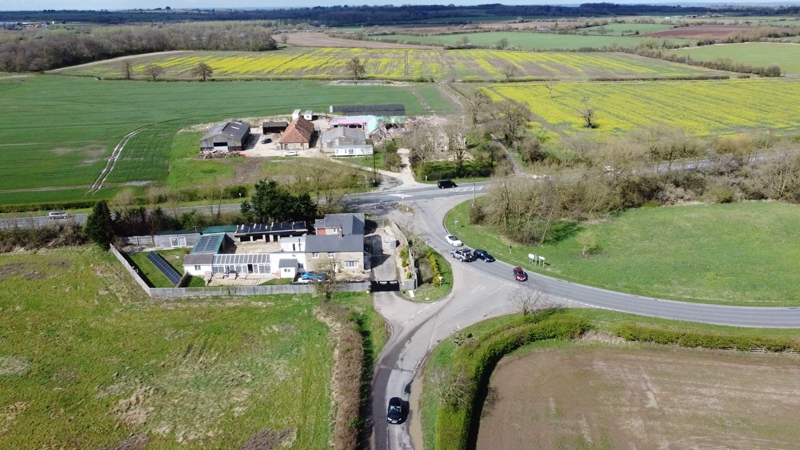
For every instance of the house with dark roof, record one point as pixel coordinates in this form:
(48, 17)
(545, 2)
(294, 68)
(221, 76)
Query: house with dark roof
(226, 137)
(340, 237)
(346, 142)
(297, 135)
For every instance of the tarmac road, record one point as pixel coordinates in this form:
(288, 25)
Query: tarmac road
(480, 292)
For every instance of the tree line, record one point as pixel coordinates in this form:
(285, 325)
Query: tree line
(31, 51)
(345, 15)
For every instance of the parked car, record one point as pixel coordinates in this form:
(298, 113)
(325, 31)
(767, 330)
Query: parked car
(290, 153)
(454, 241)
(464, 255)
(266, 141)
(394, 413)
(309, 276)
(483, 254)
(520, 274)
(446, 184)
(54, 215)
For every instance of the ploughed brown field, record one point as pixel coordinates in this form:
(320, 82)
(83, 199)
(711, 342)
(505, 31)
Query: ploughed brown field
(702, 31)
(606, 397)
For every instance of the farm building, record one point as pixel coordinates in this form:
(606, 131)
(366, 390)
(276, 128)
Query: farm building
(274, 127)
(345, 142)
(370, 124)
(270, 232)
(295, 114)
(226, 136)
(308, 115)
(297, 135)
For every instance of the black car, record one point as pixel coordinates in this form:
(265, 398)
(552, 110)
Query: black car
(483, 254)
(446, 184)
(395, 412)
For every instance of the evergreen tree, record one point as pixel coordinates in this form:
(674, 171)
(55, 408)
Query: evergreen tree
(99, 225)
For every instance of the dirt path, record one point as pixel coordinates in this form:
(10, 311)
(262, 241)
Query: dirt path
(112, 160)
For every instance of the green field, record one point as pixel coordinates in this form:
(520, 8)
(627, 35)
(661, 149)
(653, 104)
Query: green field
(620, 29)
(702, 107)
(530, 40)
(395, 64)
(58, 130)
(733, 254)
(758, 54)
(86, 361)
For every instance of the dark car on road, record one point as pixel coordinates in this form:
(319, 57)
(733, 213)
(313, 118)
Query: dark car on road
(483, 254)
(446, 184)
(395, 412)
(520, 274)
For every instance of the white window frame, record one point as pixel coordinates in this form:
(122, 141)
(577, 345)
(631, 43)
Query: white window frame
(315, 255)
(351, 264)
(197, 267)
(331, 254)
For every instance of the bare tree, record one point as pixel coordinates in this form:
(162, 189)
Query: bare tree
(127, 69)
(509, 120)
(588, 113)
(456, 131)
(203, 71)
(356, 67)
(550, 84)
(452, 389)
(529, 300)
(154, 71)
(509, 71)
(422, 141)
(476, 105)
(284, 38)
(329, 268)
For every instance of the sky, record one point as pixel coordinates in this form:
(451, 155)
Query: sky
(16, 5)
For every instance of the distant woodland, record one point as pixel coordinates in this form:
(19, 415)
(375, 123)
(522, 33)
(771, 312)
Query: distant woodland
(51, 49)
(340, 16)
(77, 37)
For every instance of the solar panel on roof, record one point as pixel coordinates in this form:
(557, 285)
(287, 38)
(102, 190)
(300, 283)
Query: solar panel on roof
(163, 266)
(207, 244)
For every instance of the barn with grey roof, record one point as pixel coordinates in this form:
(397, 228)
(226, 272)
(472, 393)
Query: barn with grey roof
(226, 137)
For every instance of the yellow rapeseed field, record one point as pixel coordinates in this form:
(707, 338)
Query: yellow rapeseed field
(703, 107)
(400, 64)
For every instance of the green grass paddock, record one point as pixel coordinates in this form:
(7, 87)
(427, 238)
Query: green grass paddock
(734, 254)
(758, 54)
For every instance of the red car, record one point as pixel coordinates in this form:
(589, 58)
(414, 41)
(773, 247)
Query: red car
(520, 274)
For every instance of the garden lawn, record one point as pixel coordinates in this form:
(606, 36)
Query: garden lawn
(758, 54)
(87, 361)
(734, 254)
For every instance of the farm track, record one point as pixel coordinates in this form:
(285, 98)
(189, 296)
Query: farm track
(112, 160)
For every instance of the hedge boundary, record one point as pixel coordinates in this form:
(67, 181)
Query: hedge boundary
(634, 332)
(456, 426)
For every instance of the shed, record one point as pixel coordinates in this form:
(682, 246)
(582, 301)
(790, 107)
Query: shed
(308, 115)
(295, 114)
(287, 268)
(273, 127)
(297, 136)
(346, 142)
(226, 136)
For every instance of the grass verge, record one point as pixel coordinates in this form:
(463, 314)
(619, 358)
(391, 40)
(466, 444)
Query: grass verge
(732, 254)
